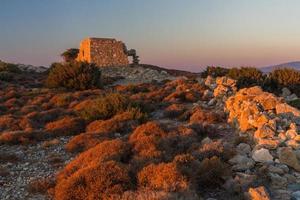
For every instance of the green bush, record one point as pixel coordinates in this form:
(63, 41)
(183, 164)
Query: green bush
(6, 76)
(74, 75)
(295, 103)
(214, 72)
(246, 76)
(9, 67)
(103, 107)
(70, 55)
(286, 77)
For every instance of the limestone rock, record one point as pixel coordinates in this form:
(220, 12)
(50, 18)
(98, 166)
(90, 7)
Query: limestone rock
(258, 193)
(269, 143)
(262, 155)
(296, 195)
(288, 156)
(241, 163)
(264, 132)
(285, 92)
(278, 181)
(243, 149)
(284, 108)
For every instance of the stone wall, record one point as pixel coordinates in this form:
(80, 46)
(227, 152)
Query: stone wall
(103, 52)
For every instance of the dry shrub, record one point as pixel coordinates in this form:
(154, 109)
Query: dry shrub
(209, 150)
(29, 108)
(188, 165)
(174, 110)
(117, 123)
(27, 124)
(96, 181)
(211, 171)
(50, 143)
(62, 99)
(204, 116)
(9, 123)
(147, 194)
(157, 95)
(83, 142)
(108, 150)
(99, 130)
(102, 108)
(146, 141)
(74, 75)
(21, 137)
(39, 100)
(55, 160)
(65, 126)
(135, 88)
(46, 116)
(163, 176)
(40, 186)
(13, 102)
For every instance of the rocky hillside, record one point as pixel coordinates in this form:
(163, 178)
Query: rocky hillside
(147, 134)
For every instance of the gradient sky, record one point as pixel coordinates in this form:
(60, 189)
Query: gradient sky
(183, 34)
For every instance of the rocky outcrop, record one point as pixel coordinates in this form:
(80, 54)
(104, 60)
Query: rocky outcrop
(273, 128)
(136, 74)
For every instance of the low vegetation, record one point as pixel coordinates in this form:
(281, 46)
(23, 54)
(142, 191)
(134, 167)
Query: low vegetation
(74, 75)
(250, 76)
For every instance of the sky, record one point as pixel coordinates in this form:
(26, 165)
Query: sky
(181, 34)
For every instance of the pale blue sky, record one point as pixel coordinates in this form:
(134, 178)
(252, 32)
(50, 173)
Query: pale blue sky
(174, 33)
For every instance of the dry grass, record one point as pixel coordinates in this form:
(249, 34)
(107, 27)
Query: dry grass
(163, 176)
(145, 140)
(204, 116)
(65, 126)
(107, 150)
(96, 181)
(21, 137)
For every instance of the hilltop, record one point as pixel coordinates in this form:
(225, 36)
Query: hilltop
(141, 131)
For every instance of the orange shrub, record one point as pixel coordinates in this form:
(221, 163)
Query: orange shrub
(8, 122)
(211, 171)
(209, 150)
(145, 140)
(204, 116)
(188, 165)
(21, 137)
(117, 123)
(103, 107)
(96, 181)
(163, 176)
(174, 110)
(65, 126)
(108, 150)
(61, 99)
(83, 142)
(43, 117)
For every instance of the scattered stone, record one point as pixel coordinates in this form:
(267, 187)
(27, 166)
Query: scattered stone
(243, 149)
(296, 195)
(287, 156)
(241, 163)
(262, 155)
(285, 92)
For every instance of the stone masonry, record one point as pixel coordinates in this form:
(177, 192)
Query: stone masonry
(103, 52)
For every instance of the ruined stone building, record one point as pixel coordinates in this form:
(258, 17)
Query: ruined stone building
(105, 52)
